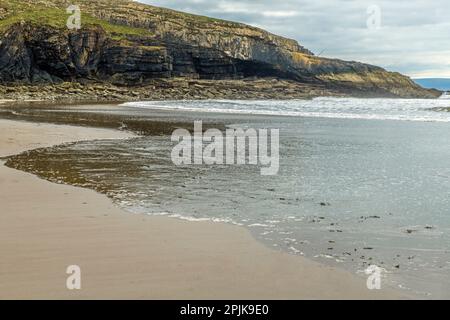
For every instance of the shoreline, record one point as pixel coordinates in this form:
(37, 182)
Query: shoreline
(126, 256)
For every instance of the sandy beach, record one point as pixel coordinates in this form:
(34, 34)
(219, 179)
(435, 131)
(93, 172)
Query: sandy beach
(46, 227)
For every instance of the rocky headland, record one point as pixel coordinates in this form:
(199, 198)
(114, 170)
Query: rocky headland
(130, 51)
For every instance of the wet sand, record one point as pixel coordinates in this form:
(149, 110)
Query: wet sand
(46, 227)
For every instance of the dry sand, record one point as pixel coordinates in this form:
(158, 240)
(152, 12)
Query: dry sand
(45, 227)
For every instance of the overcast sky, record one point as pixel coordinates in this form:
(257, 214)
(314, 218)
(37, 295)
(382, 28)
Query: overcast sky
(412, 37)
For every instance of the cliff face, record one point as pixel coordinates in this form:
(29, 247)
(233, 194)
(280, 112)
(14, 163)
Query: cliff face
(128, 43)
(30, 53)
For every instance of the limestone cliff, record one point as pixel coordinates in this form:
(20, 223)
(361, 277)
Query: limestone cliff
(128, 43)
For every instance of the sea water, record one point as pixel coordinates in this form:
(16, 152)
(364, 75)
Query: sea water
(361, 181)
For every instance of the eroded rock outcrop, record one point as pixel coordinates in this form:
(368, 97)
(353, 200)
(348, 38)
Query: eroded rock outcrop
(30, 53)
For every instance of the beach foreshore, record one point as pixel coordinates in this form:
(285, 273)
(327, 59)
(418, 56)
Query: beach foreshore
(46, 227)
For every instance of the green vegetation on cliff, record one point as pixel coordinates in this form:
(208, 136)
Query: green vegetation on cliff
(17, 12)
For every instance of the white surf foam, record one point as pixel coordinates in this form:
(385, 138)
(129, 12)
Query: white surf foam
(337, 108)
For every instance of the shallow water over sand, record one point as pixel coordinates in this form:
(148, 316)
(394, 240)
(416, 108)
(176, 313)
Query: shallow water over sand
(352, 192)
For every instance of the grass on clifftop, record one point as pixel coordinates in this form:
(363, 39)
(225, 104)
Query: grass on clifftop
(57, 18)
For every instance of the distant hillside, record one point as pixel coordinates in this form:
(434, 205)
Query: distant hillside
(434, 83)
(127, 43)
